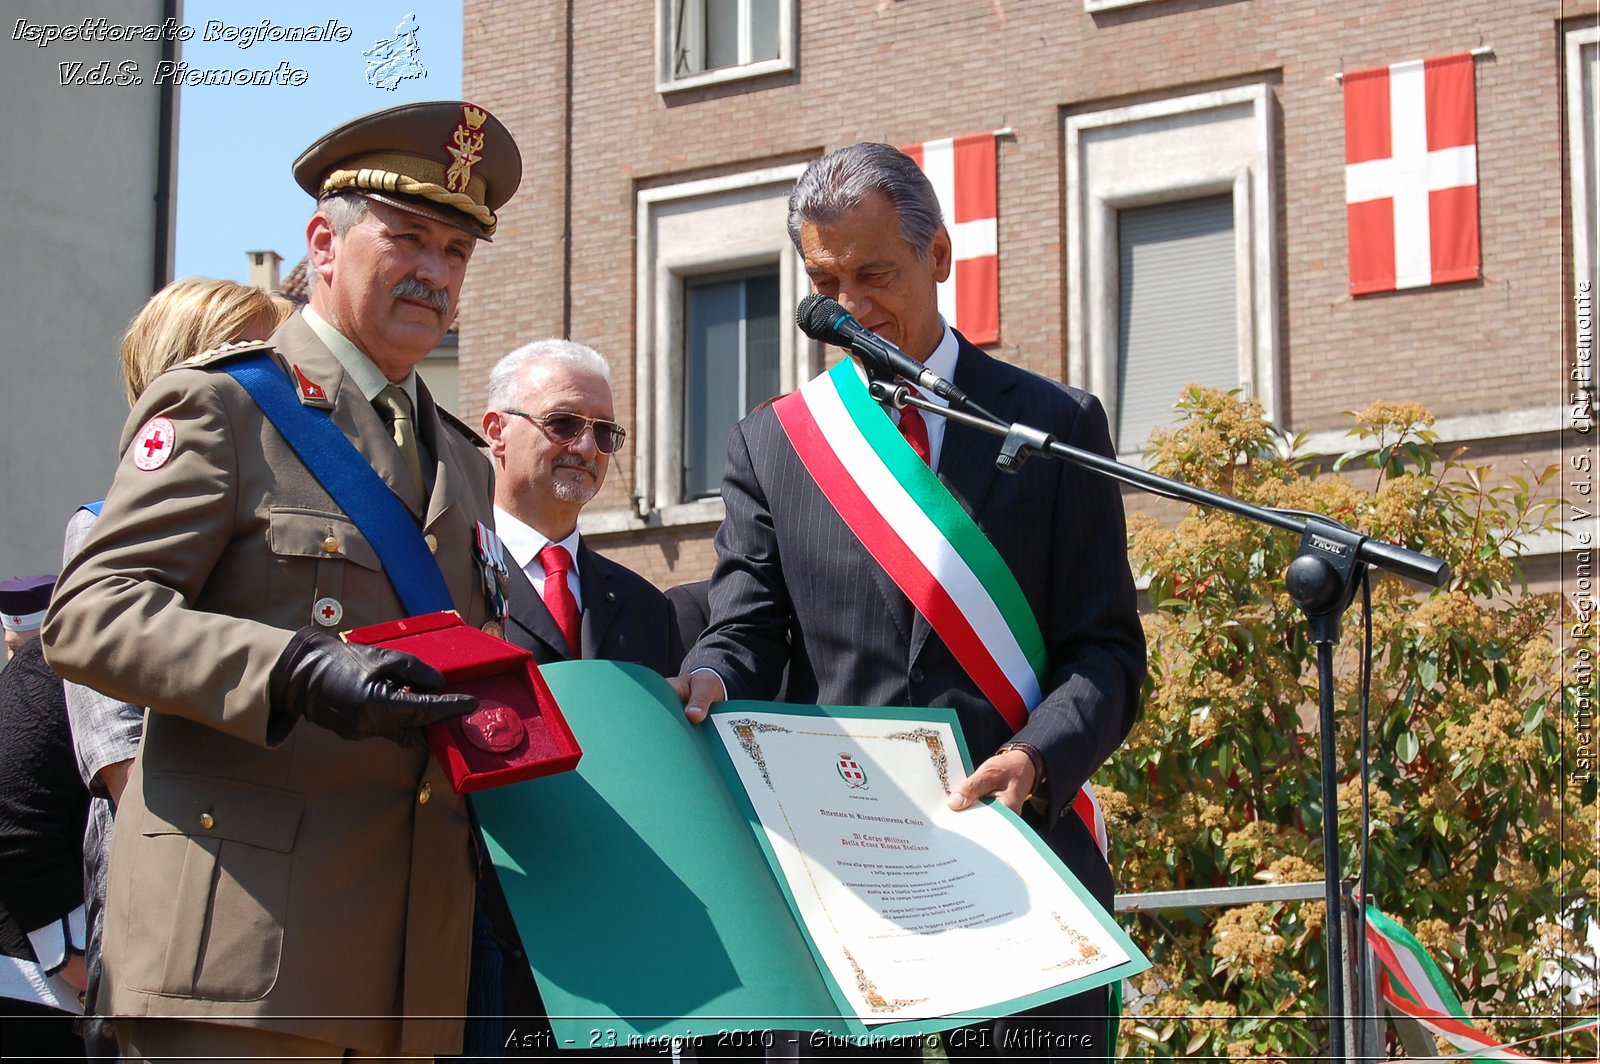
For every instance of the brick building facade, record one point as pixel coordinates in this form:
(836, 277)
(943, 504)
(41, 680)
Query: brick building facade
(657, 157)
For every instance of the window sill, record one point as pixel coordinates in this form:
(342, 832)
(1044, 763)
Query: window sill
(1093, 6)
(1460, 428)
(724, 75)
(611, 522)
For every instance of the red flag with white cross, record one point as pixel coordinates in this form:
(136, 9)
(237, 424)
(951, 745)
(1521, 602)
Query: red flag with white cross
(1411, 174)
(962, 171)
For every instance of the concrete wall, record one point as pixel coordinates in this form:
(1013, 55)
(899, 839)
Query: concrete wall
(79, 231)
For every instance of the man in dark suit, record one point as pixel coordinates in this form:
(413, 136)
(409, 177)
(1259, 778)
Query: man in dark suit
(552, 432)
(692, 604)
(867, 223)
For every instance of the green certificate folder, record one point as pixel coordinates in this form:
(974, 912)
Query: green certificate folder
(647, 896)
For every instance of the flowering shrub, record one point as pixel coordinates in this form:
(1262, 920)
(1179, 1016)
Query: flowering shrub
(1482, 842)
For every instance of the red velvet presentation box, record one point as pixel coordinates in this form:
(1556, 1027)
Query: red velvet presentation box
(516, 733)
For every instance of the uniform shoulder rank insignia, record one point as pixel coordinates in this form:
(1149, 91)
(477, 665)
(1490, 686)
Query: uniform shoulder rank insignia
(222, 352)
(310, 391)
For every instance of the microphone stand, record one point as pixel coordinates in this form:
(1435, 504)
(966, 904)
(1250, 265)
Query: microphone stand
(1321, 580)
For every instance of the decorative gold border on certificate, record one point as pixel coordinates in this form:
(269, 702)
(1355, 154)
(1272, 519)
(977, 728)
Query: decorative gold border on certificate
(936, 752)
(1088, 952)
(869, 989)
(745, 730)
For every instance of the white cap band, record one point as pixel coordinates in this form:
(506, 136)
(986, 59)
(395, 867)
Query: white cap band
(24, 622)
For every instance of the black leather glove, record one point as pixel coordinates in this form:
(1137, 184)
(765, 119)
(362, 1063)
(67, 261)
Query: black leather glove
(356, 691)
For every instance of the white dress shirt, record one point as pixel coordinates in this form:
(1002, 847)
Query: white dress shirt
(524, 544)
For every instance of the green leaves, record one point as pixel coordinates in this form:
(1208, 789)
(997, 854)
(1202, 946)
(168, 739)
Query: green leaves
(1479, 838)
(1406, 747)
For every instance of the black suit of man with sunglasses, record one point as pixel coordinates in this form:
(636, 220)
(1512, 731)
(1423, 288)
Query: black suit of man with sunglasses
(552, 431)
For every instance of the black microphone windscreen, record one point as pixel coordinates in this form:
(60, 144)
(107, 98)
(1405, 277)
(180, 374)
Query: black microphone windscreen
(816, 316)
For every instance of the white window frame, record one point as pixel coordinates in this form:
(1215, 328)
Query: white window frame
(1198, 166)
(693, 19)
(1092, 6)
(1578, 141)
(740, 243)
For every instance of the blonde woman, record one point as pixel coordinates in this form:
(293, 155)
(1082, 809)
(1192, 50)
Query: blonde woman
(191, 316)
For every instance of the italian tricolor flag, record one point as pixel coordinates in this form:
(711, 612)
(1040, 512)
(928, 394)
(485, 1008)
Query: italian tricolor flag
(1412, 983)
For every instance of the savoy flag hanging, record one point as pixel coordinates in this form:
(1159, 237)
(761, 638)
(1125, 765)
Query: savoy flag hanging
(962, 170)
(1411, 174)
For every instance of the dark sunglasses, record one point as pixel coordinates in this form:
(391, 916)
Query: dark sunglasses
(563, 426)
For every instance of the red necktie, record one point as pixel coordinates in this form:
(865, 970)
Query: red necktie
(558, 596)
(915, 430)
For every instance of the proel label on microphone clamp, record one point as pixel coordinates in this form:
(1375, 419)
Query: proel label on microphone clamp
(1328, 546)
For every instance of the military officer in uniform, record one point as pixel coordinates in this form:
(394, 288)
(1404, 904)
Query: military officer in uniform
(292, 874)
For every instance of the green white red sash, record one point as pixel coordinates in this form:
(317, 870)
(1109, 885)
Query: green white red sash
(1409, 981)
(921, 536)
(930, 547)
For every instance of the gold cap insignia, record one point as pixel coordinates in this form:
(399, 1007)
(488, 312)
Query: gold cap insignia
(447, 160)
(465, 147)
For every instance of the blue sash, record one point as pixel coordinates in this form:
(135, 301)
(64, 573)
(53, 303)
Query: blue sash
(355, 486)
(93, 507)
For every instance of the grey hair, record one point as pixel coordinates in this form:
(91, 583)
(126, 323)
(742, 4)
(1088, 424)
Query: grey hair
(840, 181)
(343, 209)
(503, 379)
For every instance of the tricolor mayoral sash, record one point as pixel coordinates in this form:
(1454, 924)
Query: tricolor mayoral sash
(930, 547)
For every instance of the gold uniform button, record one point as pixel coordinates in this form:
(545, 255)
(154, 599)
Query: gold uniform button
(424, 794)
(432, 542)
(207, 822)
(330, 545)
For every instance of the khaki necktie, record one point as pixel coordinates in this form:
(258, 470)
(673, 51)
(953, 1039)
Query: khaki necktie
(394, 405)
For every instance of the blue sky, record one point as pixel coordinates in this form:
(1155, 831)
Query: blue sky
(236, 142)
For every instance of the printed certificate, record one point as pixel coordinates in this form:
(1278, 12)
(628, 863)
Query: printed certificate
(902, 898)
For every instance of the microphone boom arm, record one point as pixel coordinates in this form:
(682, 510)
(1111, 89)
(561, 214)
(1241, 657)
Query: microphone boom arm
(1022, 441)
(1321, 580)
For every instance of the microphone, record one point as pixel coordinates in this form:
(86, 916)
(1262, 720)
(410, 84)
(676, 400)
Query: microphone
(824, 319)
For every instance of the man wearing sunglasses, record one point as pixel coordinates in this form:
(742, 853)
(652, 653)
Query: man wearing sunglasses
(552, 431)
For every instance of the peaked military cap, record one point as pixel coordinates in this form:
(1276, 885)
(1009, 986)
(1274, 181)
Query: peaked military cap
(448, 160)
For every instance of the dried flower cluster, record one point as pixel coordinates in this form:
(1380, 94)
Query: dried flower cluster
(1481, 842)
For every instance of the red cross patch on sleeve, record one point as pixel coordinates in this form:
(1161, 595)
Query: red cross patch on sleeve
(154, 444)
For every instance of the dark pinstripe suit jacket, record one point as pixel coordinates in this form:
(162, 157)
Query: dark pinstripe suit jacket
(786, 558)
(625, 617)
